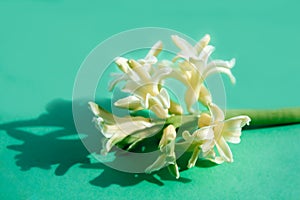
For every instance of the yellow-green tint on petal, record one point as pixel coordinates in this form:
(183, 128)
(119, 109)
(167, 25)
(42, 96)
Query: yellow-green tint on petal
(156, 49)
(194, 157)
(175, 108)
(186, 66)
(204, 96)
(139, 70)
(204, 120)
(169, 135)
(122, 64)
(100, 112)
(95, 108)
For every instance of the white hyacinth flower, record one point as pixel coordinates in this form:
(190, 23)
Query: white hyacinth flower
(228, 130)
(168, 157)
(198, 140)
(213, 132)
(195, 69)
(142, 81)
(115, 129)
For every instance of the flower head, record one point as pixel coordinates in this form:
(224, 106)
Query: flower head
(195, 68)
(142, 81)
(206, 134)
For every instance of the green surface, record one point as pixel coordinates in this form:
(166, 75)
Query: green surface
(43, 43)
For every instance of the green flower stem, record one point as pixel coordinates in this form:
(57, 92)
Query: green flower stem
(271, 117)
(259, 118)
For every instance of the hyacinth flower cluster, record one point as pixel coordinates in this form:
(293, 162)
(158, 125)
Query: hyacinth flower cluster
(143, 80)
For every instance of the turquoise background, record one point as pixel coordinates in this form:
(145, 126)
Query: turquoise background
(42, 45)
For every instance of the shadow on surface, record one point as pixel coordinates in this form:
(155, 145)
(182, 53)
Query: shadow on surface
(112, 176)
(52, 139)
(49, 139)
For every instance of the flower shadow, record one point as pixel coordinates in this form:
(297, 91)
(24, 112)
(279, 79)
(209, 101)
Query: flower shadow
(51, 140)
(111, 176)
(48, 140)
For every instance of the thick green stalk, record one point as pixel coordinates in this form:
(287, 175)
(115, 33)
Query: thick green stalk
(259, 118)
(269, 117)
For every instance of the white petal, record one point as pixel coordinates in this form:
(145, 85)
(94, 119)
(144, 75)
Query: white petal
(132, 124)
(202, 43)
(131, 86)
(95, 108)
(180, 76)
(100, 112)
(118, 78)
(133, 75)
(143, 74)
(194, 157)
(220, 70)
(198, 64)
(148, 61)
(186, 65)
(216, 113)
(205, 133)
(130, 102)
(187, 136)
(204, 95)
(164, 98)
(155, 105)
(169, 135)
(151, 60)
(155, 50)
(238, 121)
(221, 63)
(161, 73)
(182, 43)
(122, 64)
(207, 146)
(224, 150)
(191, 97)
(211, 156)
(159, 111)
(112, 142)
(206, 52)
(233, 139)
(232, 128)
